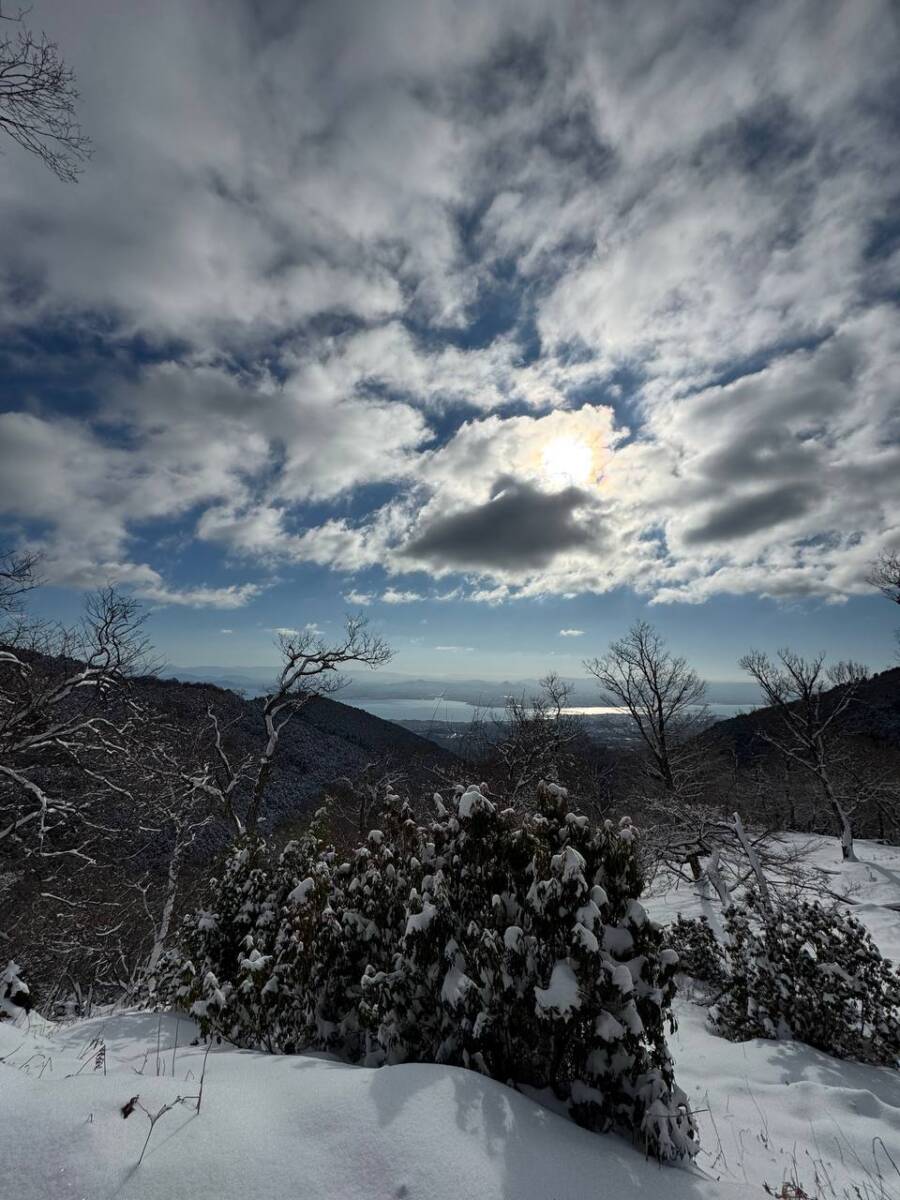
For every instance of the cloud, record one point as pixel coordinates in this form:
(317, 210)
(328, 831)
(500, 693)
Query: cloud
(571, 633)
(232, 596)
(287, 631)
(749, 514)
(59, 474)
(520, 527)
(321, 320)
(392, 596)
(62, 567)
(359, 599)
(456, 649)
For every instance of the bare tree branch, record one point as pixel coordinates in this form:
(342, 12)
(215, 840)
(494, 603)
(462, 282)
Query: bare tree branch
(309, 667)
(55, 693)
(810, 703)
(661, 693)
(885, 575)
(38, 101)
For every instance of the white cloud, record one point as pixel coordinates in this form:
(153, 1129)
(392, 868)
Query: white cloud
(63, 567)
(232, 596)
(780, 482)
(392, 596)
(670, 199)
(571, 633)
(456, 649)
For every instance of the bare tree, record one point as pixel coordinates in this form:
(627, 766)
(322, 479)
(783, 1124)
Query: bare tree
(810, 703)
(99, 894)
(71, 800)
(885, 575)
(17, 576)
(175, 808)
(38, 100)
(533, 739)
(56, 690)
(664, 697)
(309, 667)
(353, 806)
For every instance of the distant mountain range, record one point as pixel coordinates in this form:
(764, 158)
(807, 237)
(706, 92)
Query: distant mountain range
(329, 739)
(387, 685)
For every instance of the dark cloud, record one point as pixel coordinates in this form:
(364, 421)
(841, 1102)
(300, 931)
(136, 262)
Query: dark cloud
(770, 456)
(520, 527)
(745, 515)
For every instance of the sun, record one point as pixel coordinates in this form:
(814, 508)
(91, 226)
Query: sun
(567, 462)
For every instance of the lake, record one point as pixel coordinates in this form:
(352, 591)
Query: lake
(461, 712)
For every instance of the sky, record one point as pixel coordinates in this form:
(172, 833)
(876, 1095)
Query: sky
(505, 324)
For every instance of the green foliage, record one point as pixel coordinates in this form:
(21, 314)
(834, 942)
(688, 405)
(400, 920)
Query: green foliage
(511, 944)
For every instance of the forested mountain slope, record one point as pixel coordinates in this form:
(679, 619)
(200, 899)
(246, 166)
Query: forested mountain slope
(324, 741)
(874, 714)
(757, 761)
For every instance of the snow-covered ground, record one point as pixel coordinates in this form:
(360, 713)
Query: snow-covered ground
(781, 1110)
(288, 1128)
(869, 888)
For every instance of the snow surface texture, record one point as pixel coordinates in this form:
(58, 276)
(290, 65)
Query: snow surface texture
(292, 1128)
(288, 1128)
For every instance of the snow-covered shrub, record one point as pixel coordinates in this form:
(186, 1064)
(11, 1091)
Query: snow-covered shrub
(359, 933)
(811, 973)
(699, 953)
(511, 944)
(527, 956)
(15, 998)
(240, 965)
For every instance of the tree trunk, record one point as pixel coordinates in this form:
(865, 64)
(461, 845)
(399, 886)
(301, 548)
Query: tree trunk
(714, 875)
(755, 864)
(845, 829)
(168, 908)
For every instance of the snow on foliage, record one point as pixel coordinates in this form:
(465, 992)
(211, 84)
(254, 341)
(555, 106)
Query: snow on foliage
(514, 945)
(800, 970)
(699, 952)
(473, 801)
(560, 997)
(301, 892)
(15, 998)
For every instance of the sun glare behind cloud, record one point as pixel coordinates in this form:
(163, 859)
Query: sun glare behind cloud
(566, 462)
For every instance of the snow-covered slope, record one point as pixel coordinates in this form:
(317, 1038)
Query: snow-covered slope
(288, 1128)
(774, 1111)
(869, 888)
